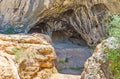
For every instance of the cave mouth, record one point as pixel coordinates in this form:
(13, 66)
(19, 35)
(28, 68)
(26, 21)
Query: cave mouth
(66, 35)
(72, 51)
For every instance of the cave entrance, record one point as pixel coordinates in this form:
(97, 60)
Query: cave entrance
(71, 49)
(60, 36)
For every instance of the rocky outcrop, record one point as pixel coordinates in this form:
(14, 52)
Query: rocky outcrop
(97, 66)
(57, 17)
(26, 57)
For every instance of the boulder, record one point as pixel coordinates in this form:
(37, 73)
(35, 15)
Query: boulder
(97, 66)
(26, 56)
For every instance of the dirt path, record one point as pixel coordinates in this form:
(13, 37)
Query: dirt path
(64, 76)
(71, 58)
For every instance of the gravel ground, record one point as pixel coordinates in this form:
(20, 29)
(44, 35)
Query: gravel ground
(71, 57)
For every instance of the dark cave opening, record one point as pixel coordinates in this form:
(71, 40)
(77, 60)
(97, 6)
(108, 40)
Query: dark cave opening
(63, 35)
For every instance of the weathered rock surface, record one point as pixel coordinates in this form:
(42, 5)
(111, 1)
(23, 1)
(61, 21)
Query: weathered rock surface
(97, 66)
(64, 17)
(8, 68)
(32, 57)
(26, 57)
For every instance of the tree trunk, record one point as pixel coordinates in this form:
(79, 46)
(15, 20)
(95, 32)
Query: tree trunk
(69, 18)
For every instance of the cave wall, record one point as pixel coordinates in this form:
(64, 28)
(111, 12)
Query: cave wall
(83, 17)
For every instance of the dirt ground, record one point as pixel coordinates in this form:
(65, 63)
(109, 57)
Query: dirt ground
(70, 57)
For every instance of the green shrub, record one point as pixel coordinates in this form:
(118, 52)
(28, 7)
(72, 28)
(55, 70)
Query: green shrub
(63, 62)
(114, 54)
(114, 25)
(114, 59)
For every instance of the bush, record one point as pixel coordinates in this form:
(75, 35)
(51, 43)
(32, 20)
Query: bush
(114, 25)
(114, 59)
(114, 54)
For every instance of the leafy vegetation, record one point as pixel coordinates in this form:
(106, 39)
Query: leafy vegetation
(23, 54)
(92, 47)
(114, 54)
(63, 62)
(114, 58)
(10, 31)
(114, 25)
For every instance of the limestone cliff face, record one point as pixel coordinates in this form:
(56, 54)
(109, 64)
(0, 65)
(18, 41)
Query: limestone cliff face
(69, 18)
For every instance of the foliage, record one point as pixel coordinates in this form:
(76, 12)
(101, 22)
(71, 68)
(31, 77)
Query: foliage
(23, 54)
(63, 62)
(92, 47)
(114, 61)
(114, 54)
(10, 30)
(114, 25)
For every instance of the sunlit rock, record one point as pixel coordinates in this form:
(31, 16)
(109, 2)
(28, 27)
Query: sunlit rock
(97, 66)
(26, 56)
